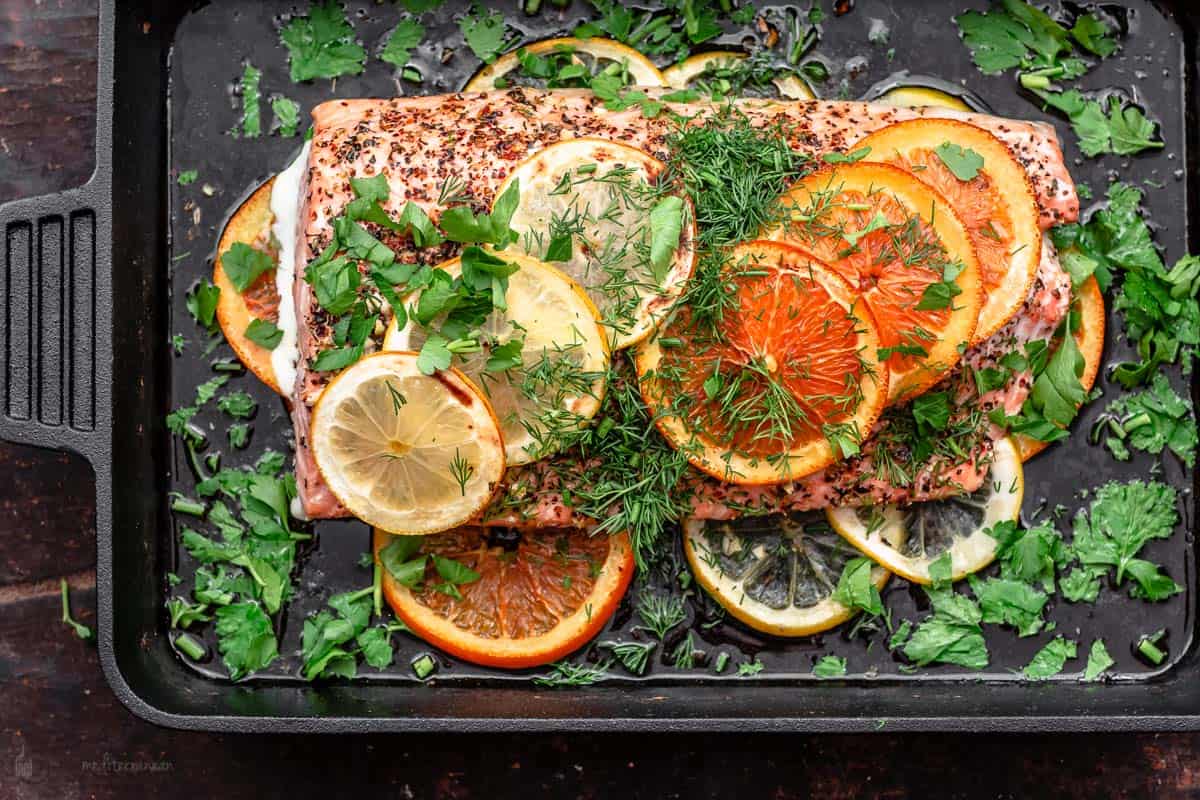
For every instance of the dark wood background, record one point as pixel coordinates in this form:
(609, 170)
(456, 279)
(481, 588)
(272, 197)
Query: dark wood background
(63, 734)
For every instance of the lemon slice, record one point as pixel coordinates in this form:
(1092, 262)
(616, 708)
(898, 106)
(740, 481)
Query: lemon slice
(776, 573)
(720, 68)
(559, 381)
(603, 196)
(920, 96)
(595, 55)
(907, 540)
(406, 452)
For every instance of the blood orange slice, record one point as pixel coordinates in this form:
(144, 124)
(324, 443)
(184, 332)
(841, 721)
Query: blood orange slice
(783, 384)
(527, 598)
(250, 225)
(1089, 336)
(904, 251)
(988, 189)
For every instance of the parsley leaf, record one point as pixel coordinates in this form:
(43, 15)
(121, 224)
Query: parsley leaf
(965, 163)
(1030, 555)
(435, 354)
(830, 667)
(1057, 392)
(246, 640)
(1118, 128)
(486, 34)
(322, 45)
(1010, 602)
(1122, 518)
(855, 589)
(1050, 660)
(238, 405)
(406, 36)
(239, 435)
(187, 176)
(202, 304)
(1152, 420)
(1098, 661)
(287, 115)
(243, 264)
(1093, 36)
(264, 334)
(461, 225)
(952, 635)
(251, 121)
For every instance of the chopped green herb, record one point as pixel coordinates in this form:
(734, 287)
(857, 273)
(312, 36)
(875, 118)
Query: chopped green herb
(1121, 519)
(951, 635)
(634, 656)
(965, 163)
(747, 669)
(721, 662)
(1152, 420)
(1098, 661)
(564, 673)
(238, 405)
(1116, 128)
(287, 115)
(402, 41)
(246, 639)
(1009, 602)
(1148, 647)
(486, 33)
(190, 646)
(239, 435)
(830, 667)
(81, 630)
(202, 304)
(424, 665)
(264, 333)
(187, 176)
(1050, 660)
(322, 45)
(855, 590)
(243, 264)
(660, 613)
(251, 120)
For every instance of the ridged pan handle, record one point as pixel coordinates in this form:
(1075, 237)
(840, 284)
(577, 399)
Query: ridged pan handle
(49, 331)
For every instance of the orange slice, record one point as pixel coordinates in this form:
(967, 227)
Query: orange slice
(785, 384)
(540, 595)
(250, 224)
(1090, 338)
(893, 238)
(997, 205)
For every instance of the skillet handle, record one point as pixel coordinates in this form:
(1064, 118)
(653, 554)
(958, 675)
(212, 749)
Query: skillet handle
(52, 335)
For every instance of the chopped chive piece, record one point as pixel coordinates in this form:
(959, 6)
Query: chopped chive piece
(228, 365)
(191, 647)
(423, 666)
(1148, 647)
(721, 662)
(81, 630)
(185, 505)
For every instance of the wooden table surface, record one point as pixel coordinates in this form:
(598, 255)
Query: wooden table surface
(63, 734)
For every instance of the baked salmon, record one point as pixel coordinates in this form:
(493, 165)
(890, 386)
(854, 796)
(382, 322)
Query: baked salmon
(477, 139)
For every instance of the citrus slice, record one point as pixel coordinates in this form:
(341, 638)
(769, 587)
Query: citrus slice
(920, 96)
(785, 384)
(406, 452)
(730, 73)
(604, 200)
(904, 251)
(564, 63)
(993, 199)
(556, 382)
(540, 594)
(250, 225)
(1089, 336)
(777, 573)
(907, 540)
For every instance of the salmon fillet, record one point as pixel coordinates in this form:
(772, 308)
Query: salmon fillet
(417, 143)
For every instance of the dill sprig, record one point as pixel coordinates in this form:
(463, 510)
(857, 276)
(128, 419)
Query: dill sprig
(660, 613)
(634, 656)
(564, 673)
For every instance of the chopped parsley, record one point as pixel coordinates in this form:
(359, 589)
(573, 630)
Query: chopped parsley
(1122, 518)
(1113, 126)
(287, 115)
(264, 334)
(251, 120)
(246, 639)
(965, 163)
(202, 304)
(951, 635)
(187, 177)
(829, 667)
(486, 33)
(1010, 602)
(1014, 34)
(238, 405)
(322, 44)
(243, 264)
(1151, 420)
(1050, 660)
(403, 40)
(750, 668)
(855, 590)
(1098, 661)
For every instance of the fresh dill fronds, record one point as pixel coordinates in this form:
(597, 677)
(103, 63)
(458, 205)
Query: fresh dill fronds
(566, 674)
(684, 655)
(634, 656)
(660, 613)
(461, 470)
